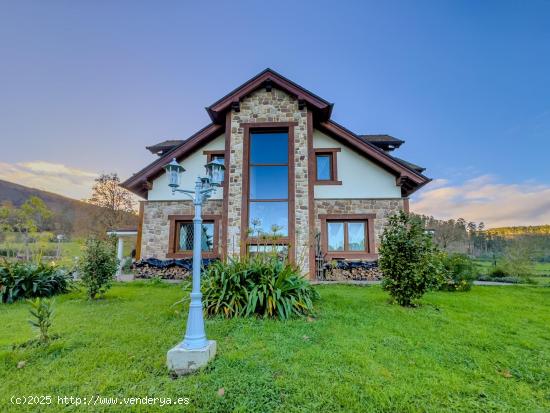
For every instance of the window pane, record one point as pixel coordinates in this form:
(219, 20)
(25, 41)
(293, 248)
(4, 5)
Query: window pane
(324, 172)
(268, 148)
(186, 236)
(268, 182)
(268, 218)
(356, 236)
(221, 158)
(335, 236)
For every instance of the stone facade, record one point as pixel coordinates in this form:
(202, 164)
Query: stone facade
(383, 208)
(269, 106)
(156, 226)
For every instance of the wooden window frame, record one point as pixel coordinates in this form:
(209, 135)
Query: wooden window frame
(332, 152)
(266, 127)
(368, 219)
(174, 234)
(211, 154)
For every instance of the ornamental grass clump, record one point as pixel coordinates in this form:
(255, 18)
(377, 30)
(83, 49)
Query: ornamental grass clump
(409, 260)
(262, 285)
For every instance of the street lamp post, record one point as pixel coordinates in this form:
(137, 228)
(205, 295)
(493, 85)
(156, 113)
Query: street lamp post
(195, 350)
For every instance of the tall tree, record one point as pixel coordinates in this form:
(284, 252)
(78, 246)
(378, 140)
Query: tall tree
(116, 201)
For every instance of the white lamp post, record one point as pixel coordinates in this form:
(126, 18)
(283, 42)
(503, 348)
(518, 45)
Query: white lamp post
(195, 350)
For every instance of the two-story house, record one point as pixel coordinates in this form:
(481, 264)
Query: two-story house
(293, 178)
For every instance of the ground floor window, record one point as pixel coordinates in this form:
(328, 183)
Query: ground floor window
(181, 236)
(348, 236)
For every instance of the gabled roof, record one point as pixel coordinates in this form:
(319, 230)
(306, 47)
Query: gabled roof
(409, 176)
(164, 146)
(385, 142)
(268, 78)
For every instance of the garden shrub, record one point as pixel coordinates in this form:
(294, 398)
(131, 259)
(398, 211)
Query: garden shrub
(97, 266)
(261, 285)
(20, 280)
(42, 313)
(460, 272)
(409, 260)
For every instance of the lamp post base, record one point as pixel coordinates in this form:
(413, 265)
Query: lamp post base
(183, 361)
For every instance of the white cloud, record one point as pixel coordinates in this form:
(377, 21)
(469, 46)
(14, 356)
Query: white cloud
(53, 177)
(484, 199)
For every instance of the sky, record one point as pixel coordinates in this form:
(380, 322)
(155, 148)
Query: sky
(86, 85)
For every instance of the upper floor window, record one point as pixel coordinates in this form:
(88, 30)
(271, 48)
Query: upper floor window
(215, 155)
(326, 166)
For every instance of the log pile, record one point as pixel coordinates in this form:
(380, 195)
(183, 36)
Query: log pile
(166, 269)
(167, 273)
(352, 270)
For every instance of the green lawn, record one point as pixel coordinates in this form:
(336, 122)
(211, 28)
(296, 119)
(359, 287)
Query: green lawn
(485, 350)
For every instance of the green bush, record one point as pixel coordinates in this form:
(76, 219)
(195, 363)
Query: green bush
(28, 280)
(97, 266)
(409, 260)
(497, 272)
(261, 285)
(460, 272)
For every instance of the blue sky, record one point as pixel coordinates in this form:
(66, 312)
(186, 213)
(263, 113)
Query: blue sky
(87, 85)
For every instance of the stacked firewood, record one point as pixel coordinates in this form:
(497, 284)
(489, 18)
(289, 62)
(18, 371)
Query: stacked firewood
(167, 269)
(358, 270)
(168, 273)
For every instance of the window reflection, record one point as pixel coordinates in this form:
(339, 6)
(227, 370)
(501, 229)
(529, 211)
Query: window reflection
(324, 167)
(335, 236)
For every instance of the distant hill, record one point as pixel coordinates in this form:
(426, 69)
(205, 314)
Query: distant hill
(70, 215)
(520, 230)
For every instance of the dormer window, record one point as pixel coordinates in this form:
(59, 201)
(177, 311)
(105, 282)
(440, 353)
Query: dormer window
(326, 166)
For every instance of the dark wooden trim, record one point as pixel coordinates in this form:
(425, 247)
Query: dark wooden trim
(174, 232)
(139, 230)
(369, 253)
(266, 127)
(333, 166)
(225, 209)
(292, 197)
(210, 154)
(311, 194)
(406, 206)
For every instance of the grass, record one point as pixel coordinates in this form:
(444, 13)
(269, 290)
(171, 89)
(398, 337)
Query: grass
(485, 350)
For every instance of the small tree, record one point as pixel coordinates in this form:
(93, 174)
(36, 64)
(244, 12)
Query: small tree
(117, 204)
(42, 312)
(408, 259)
(97, 266)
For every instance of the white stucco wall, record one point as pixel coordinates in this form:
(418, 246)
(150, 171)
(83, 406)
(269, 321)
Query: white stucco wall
(194, 166)
(361, 178)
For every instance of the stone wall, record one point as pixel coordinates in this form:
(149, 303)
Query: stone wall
(272, 106)
(383, 208)
(156, 227)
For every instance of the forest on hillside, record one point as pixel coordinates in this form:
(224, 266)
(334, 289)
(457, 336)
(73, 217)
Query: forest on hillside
(471, 238)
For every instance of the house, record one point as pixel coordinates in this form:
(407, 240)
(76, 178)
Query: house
(295, 180)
